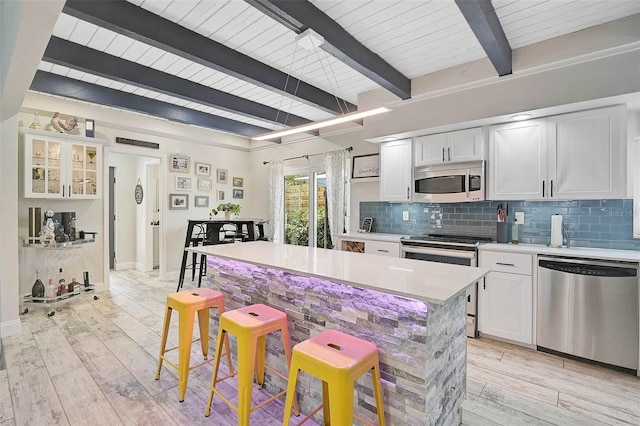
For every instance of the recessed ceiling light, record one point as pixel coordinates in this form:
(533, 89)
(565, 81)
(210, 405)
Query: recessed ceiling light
(520, 117)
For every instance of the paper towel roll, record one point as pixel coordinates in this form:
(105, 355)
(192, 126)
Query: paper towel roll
(556, 230)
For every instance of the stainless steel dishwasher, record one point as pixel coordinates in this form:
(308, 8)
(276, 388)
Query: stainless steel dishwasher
(589, 308)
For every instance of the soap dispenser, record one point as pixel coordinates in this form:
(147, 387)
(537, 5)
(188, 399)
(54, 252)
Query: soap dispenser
(514, 232)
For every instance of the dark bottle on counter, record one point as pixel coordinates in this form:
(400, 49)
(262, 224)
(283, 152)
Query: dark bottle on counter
(38, 287)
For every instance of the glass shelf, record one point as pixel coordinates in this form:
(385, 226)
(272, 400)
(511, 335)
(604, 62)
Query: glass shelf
(51, 302)
(33, 242)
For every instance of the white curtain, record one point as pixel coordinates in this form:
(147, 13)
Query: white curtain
(336, 176)
(276, 201)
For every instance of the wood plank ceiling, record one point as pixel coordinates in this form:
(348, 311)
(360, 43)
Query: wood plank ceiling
(235, 66)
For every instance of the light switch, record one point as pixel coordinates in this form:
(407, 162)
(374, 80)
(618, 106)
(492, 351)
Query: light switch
(520, 218)
(405, 215)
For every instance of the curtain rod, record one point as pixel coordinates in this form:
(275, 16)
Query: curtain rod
(349, 149)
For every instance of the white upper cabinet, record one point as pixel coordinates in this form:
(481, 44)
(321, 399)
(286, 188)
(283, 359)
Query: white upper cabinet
(571, 156)
(450, 147)
(395, 171)
(61, 166)
(587, 153)
(517, 160)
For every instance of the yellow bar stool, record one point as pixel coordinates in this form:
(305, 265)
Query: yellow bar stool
(250, 325)
(338, 359)
(187, 303)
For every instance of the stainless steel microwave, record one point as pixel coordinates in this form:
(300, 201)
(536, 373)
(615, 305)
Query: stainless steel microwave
(451, 183)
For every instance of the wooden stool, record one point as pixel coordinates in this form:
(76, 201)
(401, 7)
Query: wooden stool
(187, 303)
(250, 325)
(337, 359)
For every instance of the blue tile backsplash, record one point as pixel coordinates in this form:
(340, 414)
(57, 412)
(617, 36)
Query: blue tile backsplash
(590, 223)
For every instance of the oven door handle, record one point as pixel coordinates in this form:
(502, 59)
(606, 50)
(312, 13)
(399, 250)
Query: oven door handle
(439, 252)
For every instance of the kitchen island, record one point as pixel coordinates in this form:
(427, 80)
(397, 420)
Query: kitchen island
(414, 311)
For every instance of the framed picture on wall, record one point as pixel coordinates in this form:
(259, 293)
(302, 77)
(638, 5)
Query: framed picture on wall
(201, 201)
(222, 176)
(204, 184)
(179, 163)
(203, 169)
(238, 181)
(220, 195)
(178, 201)
(183, 183)
(365, 166)
(238, 193)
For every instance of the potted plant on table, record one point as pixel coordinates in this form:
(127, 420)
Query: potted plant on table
(227, 208)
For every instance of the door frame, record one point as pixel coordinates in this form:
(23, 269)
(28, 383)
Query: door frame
(161, 204)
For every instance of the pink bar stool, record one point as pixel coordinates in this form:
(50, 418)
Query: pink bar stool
(250, 325)
(187, 303)
(338, 359)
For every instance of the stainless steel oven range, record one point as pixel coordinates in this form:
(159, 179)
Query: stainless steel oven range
(453, 249)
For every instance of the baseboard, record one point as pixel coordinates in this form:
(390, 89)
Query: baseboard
(120, 266)
(9, 328)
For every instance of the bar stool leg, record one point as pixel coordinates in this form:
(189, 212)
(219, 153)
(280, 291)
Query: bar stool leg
(341, 403)
(326, 404)
(246, 363)
(203, 324)
(216, 366)
(163, 342)
(184, 351)
(377, 391)
(291, 391)
(203, 269)
(286, 342)
(194, 260)
(260, 359)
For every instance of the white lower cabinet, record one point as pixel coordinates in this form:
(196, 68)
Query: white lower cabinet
(505, 298)
(382, 248)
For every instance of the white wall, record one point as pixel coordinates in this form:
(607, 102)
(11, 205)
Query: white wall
(9, 278)
(25, 28)
(308, 145)
(222, 151)
(582, 67)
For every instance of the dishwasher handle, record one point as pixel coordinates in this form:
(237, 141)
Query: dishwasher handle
(595, 268)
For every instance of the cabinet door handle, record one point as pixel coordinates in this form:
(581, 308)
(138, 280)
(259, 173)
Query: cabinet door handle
(443, 154)
(449, 153)
(383, 251)
(505, 264)
(484, 285)
(408, 189)
(469, 298)
(542, 189)
(69, 190)
(551, 188)
(63, 191)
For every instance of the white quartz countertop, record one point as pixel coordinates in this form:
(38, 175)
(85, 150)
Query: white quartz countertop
(594, 253)
(394, 238)
(436, 283)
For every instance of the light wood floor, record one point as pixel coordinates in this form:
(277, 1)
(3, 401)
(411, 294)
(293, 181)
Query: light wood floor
(94, 363)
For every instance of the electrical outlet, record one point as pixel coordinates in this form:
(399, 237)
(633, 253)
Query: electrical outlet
(520, 218)
(405, 215)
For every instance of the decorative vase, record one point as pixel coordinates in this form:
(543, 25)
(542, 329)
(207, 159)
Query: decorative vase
(227, 215)
(38, 287)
